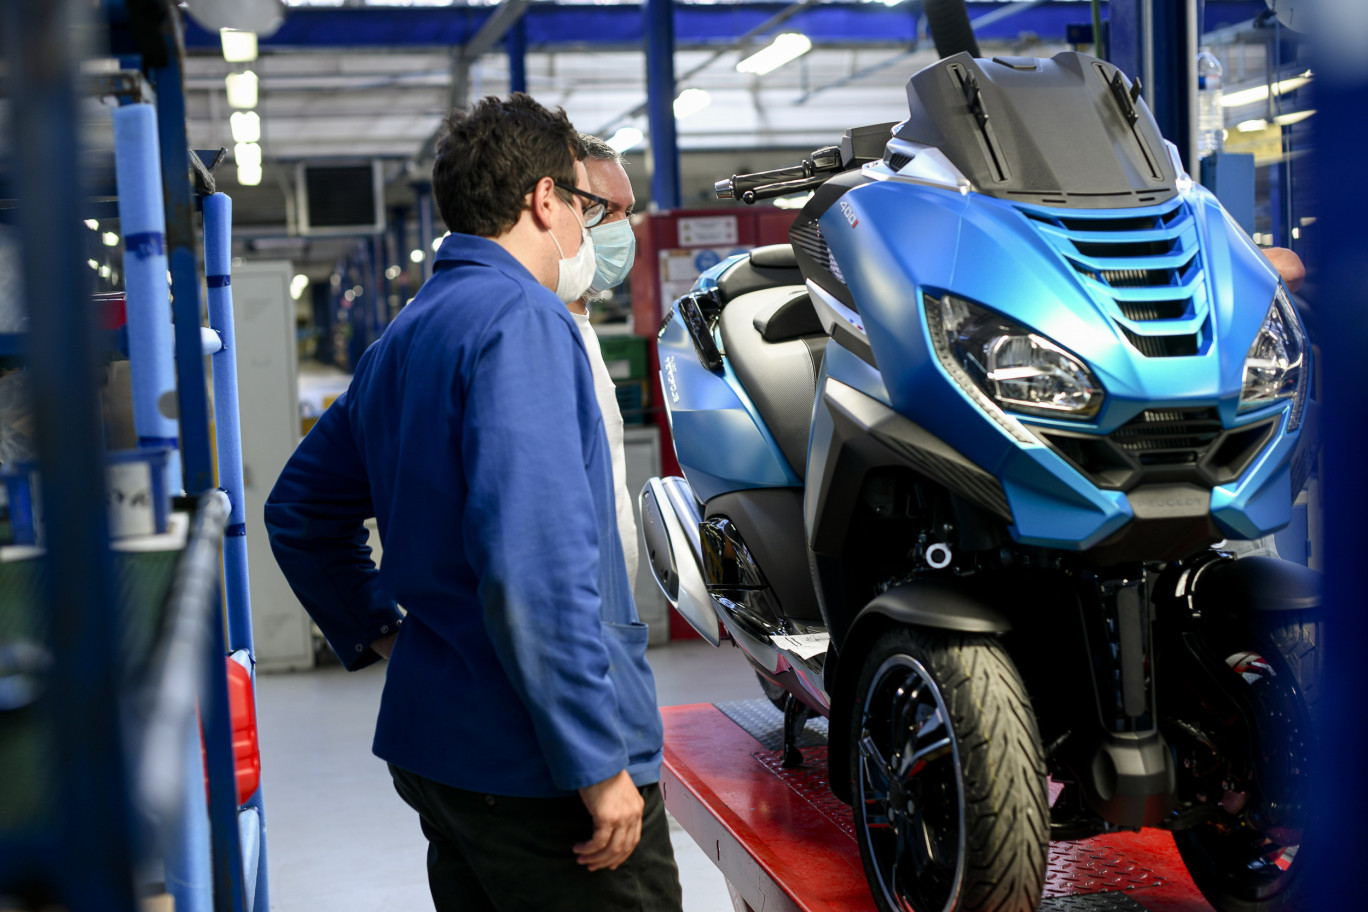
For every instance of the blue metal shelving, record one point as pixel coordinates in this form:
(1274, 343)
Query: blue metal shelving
(118, 746)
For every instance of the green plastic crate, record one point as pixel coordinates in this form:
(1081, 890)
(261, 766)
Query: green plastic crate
(625, 357)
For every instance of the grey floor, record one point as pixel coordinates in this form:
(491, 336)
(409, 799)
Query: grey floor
(338, 836)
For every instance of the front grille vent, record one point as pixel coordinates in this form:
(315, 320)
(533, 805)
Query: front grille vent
(1129, 259)
(1144, 311)
(897, 161)
(1164, 446)
(1168, 436)
(808, 236)
(1180, 346)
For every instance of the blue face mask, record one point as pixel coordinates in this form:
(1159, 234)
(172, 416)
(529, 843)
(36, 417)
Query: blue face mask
(614, 248)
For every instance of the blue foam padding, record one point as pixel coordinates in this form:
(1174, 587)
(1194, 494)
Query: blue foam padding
(249, 831)
(142, 218)
(218, 260)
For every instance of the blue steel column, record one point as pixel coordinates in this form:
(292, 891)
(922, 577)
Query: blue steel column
(516, 43)
(325, 318)
(1342, 303)
(660, 95)
(89, 787)
(1168, 83)
(376, 276)
(182, 252)
(423, 191)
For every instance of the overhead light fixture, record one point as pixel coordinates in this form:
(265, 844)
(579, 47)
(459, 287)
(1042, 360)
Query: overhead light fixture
(105, 271)
(249, 175)
(239, 46)
(247, 155)
(691, 101)
(1286, 120)
(92, 224)
(785, 48)
(416, 255)
(1260, 93)
(110, 239)
(625, 138)
(298, 284)
(242, 89)
(246, 126)
(1250, 126)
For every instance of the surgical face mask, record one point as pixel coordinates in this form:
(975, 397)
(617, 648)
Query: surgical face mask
(576, 272)
(614, 247)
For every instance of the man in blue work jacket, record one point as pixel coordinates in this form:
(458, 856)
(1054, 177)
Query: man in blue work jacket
(519, 716)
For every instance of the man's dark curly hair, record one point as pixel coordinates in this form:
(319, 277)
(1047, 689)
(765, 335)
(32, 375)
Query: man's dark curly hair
(490, 156)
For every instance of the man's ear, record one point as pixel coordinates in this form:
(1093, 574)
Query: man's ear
(543, 202)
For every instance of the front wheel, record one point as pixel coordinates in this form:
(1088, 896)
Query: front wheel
(948, 776)
(1250, 863)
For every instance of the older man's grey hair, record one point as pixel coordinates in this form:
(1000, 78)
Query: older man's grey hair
(598, 150)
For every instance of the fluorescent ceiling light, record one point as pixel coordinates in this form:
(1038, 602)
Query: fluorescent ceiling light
(691, 101)
(242, 89)
(1250, 126)
(110, 239)
(1286, 120)
(786, 47)
(249, 176)
(246, 126)
(247, 155)
(239, 46)
(625, 138)
(1260, 93)
(92, 224)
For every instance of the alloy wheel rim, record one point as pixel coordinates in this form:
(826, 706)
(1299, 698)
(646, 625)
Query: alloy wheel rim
(909, 786)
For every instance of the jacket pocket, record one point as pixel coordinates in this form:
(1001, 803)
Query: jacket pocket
(634, 684)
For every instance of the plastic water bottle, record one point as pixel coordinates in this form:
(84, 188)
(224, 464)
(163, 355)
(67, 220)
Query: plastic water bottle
(1210, 116)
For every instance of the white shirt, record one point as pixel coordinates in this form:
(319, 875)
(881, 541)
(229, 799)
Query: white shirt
(606, 392)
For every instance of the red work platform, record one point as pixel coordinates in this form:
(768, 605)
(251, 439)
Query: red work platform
(786, 844)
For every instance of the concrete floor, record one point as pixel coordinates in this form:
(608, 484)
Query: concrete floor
(339, 838)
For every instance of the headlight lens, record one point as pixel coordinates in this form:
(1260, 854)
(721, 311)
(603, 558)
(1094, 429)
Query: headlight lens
(1275, 367)
(1019, 370)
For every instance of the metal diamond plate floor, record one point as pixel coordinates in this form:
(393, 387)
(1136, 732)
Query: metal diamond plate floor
(788, 833)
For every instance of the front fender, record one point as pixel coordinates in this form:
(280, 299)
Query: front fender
(920, 603)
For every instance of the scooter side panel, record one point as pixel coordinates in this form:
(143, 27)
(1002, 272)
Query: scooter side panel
(720, 441)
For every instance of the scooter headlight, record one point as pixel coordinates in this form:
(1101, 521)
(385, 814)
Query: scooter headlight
(1275, 368)
(1019, 370)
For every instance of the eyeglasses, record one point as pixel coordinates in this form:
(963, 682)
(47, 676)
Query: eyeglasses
(595, 207)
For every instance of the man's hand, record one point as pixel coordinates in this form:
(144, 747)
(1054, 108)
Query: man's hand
(1288, 264)
(616, 806)
(385, 644)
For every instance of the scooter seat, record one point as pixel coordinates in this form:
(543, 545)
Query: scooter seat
(776, 361)
(766, 267)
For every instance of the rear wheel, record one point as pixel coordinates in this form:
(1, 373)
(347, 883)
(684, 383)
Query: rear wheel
(949, 776)
(1248, 862)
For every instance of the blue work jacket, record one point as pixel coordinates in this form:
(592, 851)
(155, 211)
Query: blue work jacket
(471, 433)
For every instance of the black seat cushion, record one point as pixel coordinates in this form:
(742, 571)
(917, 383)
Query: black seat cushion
(795, 317)
(766, 267)
(780, 376)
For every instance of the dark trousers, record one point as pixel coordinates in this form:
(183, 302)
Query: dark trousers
(491, 853)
